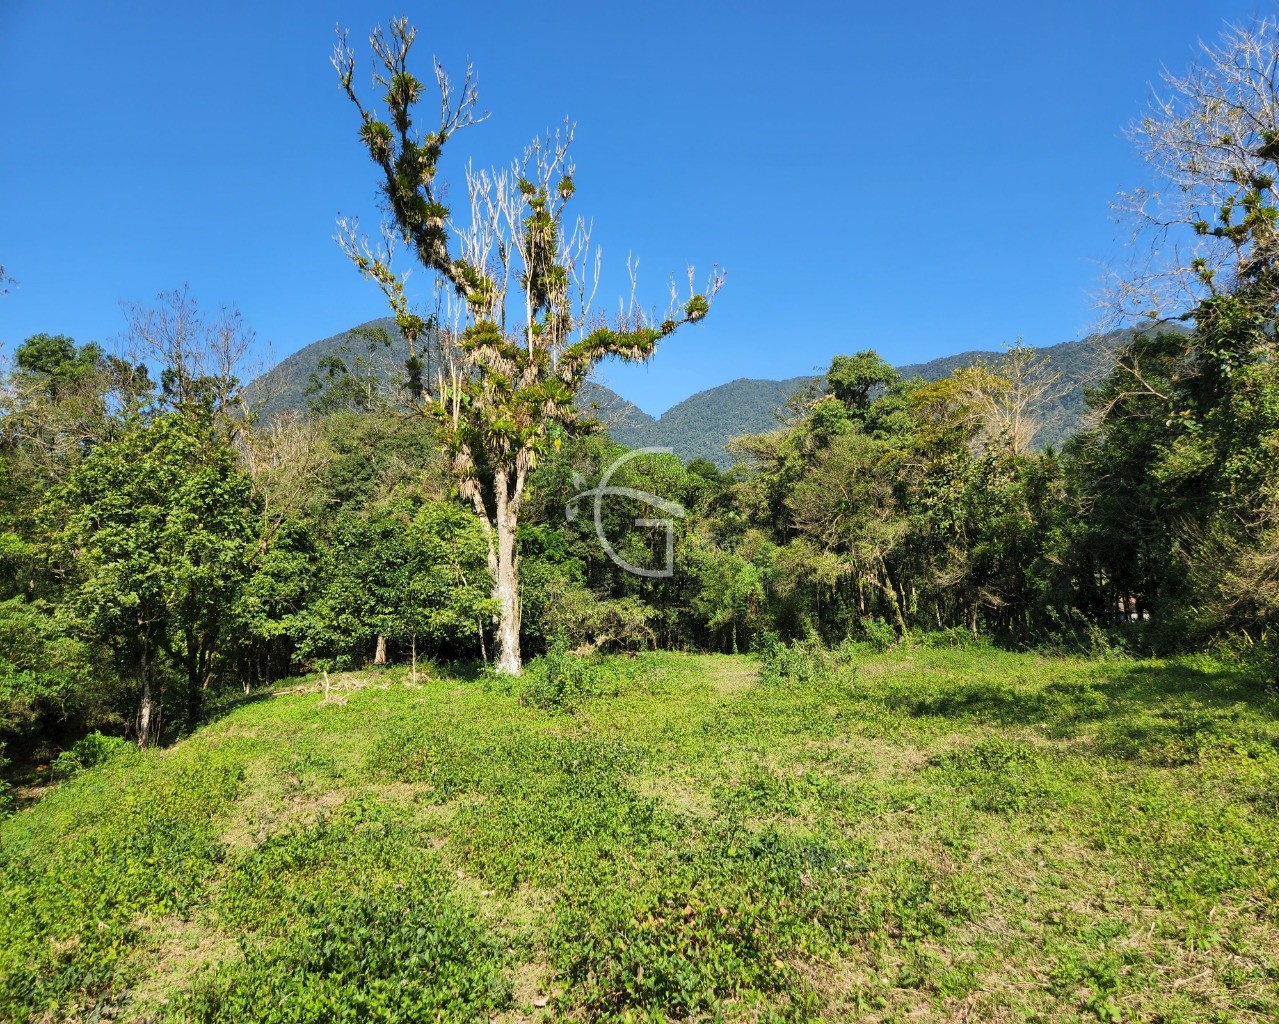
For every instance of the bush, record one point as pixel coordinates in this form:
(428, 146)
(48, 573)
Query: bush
(878, 634)
(1074, 636)
(802, 661)
(1259, 656)
(93, 750)
(560, 680)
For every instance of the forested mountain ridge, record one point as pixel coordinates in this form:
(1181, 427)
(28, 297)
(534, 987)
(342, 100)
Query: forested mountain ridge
(701, 425)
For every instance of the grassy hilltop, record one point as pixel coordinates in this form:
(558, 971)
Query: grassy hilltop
(923, 834)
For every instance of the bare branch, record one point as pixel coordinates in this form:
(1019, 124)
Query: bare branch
(1210, 140)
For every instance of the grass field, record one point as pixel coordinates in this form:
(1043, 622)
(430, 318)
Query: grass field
(919, 835)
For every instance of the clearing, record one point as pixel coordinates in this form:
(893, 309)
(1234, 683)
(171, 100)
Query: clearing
(923, 834)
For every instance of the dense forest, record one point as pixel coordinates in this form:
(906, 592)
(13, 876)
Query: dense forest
(162, 541)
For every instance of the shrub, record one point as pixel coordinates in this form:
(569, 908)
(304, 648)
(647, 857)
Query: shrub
(802, 661)
(878, 634)
(1259, 656)
(560, 680)
(1076, 637)
(92, 750)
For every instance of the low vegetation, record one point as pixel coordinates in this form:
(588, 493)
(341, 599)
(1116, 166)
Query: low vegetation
(908, 716)
(925, 833)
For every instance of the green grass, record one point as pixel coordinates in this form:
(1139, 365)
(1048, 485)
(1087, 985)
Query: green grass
(913, 835)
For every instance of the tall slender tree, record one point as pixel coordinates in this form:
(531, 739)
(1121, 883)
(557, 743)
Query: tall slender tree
(518, 337)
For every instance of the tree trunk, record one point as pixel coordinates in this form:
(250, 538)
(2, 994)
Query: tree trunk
(148, 716)
(197, 684)
(894, 605)
(506, 592)
(379, 657)
(195, 703)
(149, 709)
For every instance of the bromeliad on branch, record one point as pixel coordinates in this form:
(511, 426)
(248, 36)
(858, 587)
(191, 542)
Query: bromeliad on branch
(519, 337)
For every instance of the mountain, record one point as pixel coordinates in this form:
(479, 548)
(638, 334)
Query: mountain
(284, 386)
(701, 425)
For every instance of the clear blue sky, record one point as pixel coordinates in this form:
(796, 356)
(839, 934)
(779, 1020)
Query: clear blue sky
(920, 178)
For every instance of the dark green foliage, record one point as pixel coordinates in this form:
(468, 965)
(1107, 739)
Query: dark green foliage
(414, 575)
(1182, 470)
(88, 752)
(51, 682)
(155, 532)
(559, 680)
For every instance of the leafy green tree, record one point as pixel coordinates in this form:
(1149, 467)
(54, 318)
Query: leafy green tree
(61, 400)
(407, 571)
(855, 380)
(156, 532)
(1178, 476)
(445, 584)
(730, 594)
(848, 506)
(519, 283)
(284, 579)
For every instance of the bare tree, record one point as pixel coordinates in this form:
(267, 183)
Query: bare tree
(202, 359)
(283, 457)
(1009, 396)
(513, 322)
(1211, 138)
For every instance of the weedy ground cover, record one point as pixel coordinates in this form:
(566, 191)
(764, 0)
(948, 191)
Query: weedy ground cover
(931, 833)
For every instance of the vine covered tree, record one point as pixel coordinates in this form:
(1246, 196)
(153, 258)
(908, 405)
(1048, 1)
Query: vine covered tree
(518, 337)
(1181, 465)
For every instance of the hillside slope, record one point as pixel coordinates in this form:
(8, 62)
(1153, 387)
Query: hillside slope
(701, 425)
(938, 834)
